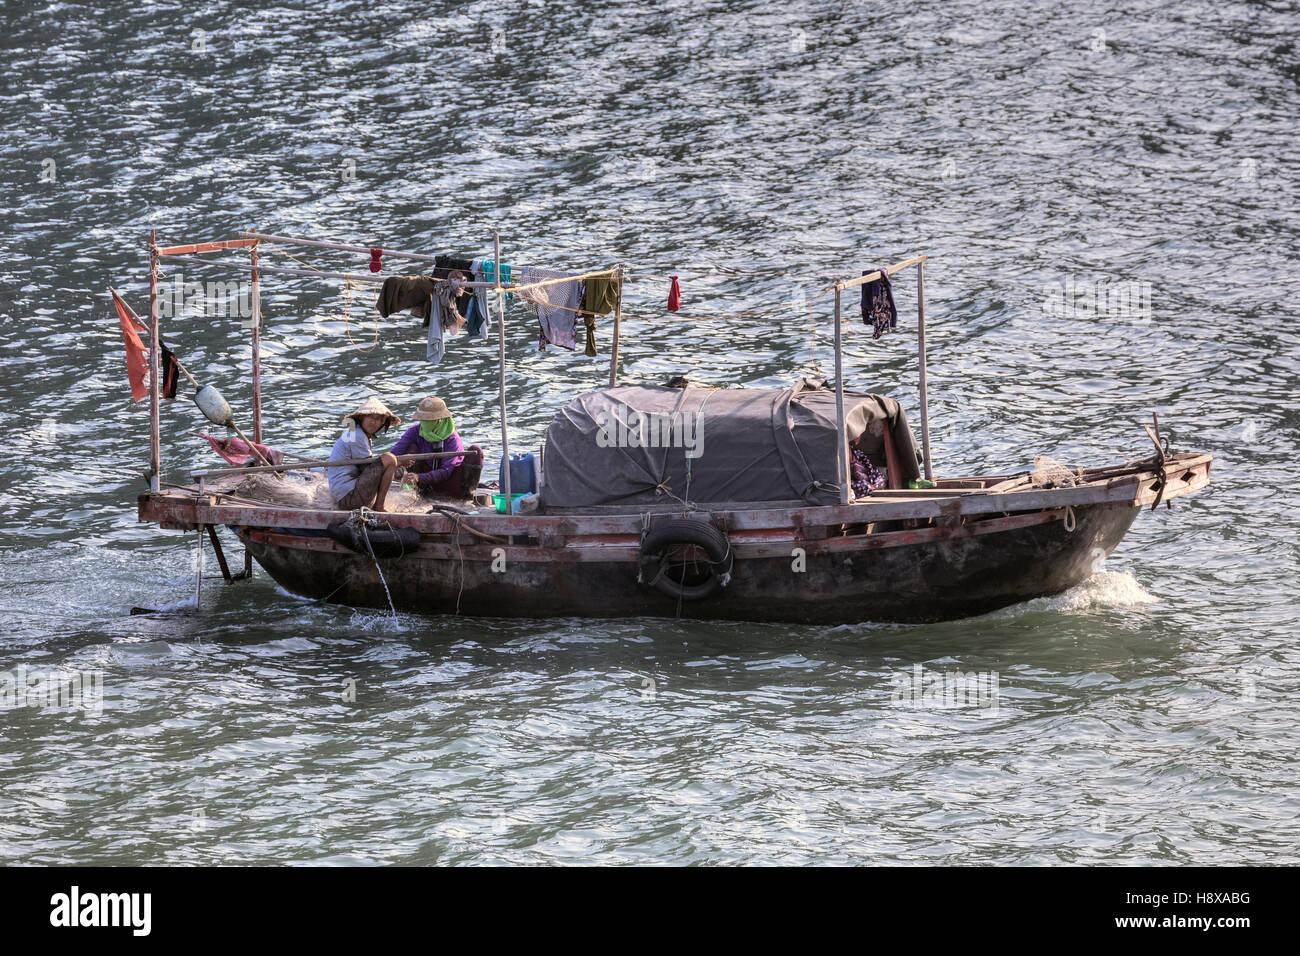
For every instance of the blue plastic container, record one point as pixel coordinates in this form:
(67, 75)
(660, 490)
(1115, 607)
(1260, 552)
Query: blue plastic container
(523, 474)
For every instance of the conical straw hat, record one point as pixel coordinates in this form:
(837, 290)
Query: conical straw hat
(373, 406)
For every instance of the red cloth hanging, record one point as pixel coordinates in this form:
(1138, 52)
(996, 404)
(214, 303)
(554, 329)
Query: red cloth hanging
(674, 295)
(376, 257)
(137, 364)
(238, 454)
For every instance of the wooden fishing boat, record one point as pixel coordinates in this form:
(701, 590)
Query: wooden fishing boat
(968, 546)
(954, 547)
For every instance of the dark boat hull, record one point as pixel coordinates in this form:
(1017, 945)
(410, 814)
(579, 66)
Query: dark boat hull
(916, 582)
(967, 546)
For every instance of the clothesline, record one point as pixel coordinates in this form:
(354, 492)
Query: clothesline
(780, 306)
(353, 283)
(509, 287)
(687, 270)
(664, 277)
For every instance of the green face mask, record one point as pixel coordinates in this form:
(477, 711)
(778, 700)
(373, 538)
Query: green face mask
(437, 431)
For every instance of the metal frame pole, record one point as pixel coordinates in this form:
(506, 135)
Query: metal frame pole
(256, 297)
(341, 246)
(925, 399)
(841, 446)
(618, 319)
(155, 429)
(501, 360)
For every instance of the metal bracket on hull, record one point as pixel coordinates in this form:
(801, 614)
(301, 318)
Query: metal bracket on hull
(1162, 453)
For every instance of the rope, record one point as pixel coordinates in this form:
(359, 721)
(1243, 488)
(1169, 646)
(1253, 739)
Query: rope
(698, 412)
(460, 553)
(458, 519)
(363, 517)
(768, 310)
(348, 286)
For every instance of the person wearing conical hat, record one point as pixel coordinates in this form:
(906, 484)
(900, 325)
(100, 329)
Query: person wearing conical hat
(435, 431)
(363, 486)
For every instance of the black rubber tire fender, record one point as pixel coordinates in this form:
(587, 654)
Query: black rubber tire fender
(394, 543)
(676, 531)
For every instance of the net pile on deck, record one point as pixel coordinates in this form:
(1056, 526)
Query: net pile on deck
(1050, 473)
(310, 490)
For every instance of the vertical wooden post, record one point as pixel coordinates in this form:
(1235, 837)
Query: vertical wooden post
(501, 361)
(216, 549)
(155, 428)
(925, 400)
(256, 300)
(842, 445)
(198, 569)
(618, 320)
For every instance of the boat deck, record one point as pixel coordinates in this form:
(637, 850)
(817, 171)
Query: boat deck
(959, 507)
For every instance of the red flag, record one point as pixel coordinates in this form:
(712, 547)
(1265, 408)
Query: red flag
(137, 354)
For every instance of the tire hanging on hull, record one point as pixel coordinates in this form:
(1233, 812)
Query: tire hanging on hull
(659, 567)
(387, 542)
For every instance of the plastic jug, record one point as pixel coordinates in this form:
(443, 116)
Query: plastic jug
(523, 474)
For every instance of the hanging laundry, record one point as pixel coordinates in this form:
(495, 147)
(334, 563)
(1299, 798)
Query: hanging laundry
(599, 297)
(376, 259)
(444, 316)
(878, 309)
(399, 293)
(447, 296)
(137, 355)
(476, 318)
(674, 295)
(557, 306)
(490, 275)
(444, 265)
(435, 348)
(479, 314)
(171, 370)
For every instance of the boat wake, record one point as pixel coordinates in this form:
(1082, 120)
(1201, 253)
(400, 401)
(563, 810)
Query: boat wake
(1104, 590)
(376, 621)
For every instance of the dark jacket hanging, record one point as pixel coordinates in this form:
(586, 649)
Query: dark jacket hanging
(406, 292)
(878, 309)
(444, 265)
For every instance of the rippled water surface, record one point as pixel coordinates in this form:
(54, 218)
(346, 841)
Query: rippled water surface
(757, 151)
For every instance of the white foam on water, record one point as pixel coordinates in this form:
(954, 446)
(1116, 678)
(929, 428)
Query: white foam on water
(1103, 590)
(376, 621)
(1107, 589)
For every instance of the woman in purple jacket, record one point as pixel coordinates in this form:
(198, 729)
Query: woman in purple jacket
(434, 430)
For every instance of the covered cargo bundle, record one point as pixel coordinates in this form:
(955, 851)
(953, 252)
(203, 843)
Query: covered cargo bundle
(647, 444)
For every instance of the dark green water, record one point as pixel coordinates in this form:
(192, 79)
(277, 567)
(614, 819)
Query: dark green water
(1148, 716)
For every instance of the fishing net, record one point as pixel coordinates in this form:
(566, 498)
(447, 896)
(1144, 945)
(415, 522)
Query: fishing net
(310, 490)
(1050, 473)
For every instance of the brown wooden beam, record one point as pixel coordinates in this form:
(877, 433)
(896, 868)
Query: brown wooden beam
(221, 555)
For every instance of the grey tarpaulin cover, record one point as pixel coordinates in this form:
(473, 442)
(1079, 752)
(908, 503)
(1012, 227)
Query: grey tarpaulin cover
(621, 445)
